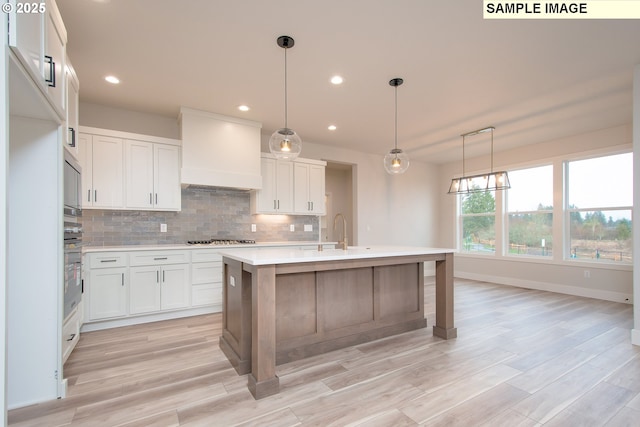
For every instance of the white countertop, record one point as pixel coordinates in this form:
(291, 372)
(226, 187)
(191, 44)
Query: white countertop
(170, 247)
(267, 256)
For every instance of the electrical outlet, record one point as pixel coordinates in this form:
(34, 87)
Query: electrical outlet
(308, 227)
(292, 227)
(253, 228)
(163, 228)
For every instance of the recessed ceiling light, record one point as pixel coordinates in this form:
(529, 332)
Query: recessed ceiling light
(332, 127)
(337, 80)
(243, 108)
(112, 79)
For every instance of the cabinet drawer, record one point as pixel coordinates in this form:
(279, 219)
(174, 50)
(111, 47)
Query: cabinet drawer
(107, 259)
(205, 255)
(206, 272)
(207, 294)
(159, 258)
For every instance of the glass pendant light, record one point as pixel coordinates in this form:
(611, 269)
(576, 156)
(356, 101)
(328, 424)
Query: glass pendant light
(285, 142)
(396, 161)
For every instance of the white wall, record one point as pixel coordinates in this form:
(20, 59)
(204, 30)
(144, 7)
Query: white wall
(101, 116)
(4, 163)
(605, 282)
(635, 333)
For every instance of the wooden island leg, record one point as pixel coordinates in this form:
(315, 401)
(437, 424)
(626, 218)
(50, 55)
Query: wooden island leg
(262, 380)
(444, 299)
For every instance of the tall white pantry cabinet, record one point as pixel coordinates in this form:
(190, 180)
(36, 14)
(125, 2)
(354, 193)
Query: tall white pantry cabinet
(36, 71)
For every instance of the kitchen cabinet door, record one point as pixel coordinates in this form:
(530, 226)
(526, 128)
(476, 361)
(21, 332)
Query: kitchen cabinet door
(26, 35)
(107, 293)
(54, 64)
(175, 286)
(144, 289)
(72, 101)
(138, 159)
(309, 189)
(152, 176)
(107, 173)
(166, 177)
(276, 195)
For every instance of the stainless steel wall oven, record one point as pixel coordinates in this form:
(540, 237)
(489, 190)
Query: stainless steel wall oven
(72, 234)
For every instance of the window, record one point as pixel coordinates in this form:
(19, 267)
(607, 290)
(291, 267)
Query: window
(599, 206)
(530, 212)
(478, 219)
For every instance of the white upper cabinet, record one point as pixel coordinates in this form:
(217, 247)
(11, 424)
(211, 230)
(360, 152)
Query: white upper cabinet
(102, 171)
(276, 195)
(128, 171)
(153, 176)
(72, 103)
(290, 187)
(38, 38)
(309, 187)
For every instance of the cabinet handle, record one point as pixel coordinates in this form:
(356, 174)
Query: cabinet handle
(122, 279)
(278, 204)
(108, 260)
(274, 204)
(73, 137)
(150, 199)
(162, 276)
(156, 198)
(311, 205)
(160, 258)
(88, 195)
(157, 276)
(52, 71)
(95, 195)
(71, 337)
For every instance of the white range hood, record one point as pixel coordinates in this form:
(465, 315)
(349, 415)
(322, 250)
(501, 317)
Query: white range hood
(219, 151)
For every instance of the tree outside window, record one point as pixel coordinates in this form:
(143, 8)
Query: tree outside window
(478, 222)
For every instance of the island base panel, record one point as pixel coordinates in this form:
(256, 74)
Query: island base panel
(289, 354)
(242, 366)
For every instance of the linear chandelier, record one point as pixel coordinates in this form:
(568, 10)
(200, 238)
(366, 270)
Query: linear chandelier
(491, 181)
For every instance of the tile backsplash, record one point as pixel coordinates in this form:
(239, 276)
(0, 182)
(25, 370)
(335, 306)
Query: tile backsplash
(207, 212)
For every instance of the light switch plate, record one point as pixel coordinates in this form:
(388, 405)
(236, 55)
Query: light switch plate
(163, 228)
(292, 227)
(253, 228)
(308, 227)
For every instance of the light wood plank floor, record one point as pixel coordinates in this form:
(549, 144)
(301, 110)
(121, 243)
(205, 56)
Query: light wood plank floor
(522, 358)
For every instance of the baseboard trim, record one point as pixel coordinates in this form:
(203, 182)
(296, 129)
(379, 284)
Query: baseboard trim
(135, 320)
(551, 287)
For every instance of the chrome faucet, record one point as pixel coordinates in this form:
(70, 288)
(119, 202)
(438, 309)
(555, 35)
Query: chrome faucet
(345, 241)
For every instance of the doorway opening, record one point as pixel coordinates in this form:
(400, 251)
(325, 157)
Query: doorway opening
(340, 194)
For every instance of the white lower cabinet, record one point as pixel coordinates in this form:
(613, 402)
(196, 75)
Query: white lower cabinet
(154, 288)
(71, 331)
(126, 287)
(206, 277)
(108, 293)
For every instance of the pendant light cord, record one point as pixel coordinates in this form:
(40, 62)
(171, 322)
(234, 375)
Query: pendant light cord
(396, 122)
(285, 89)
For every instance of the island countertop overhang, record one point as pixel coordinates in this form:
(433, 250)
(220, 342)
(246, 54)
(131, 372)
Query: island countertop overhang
(269, 256)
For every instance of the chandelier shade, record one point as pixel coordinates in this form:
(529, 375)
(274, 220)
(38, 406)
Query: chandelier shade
(491, 181)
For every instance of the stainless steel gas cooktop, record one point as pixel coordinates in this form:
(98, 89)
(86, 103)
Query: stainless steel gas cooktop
(221, 242)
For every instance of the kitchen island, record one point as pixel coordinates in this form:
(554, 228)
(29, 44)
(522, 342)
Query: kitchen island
(281, 305)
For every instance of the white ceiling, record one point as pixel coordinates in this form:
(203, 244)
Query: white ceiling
(533, 80)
